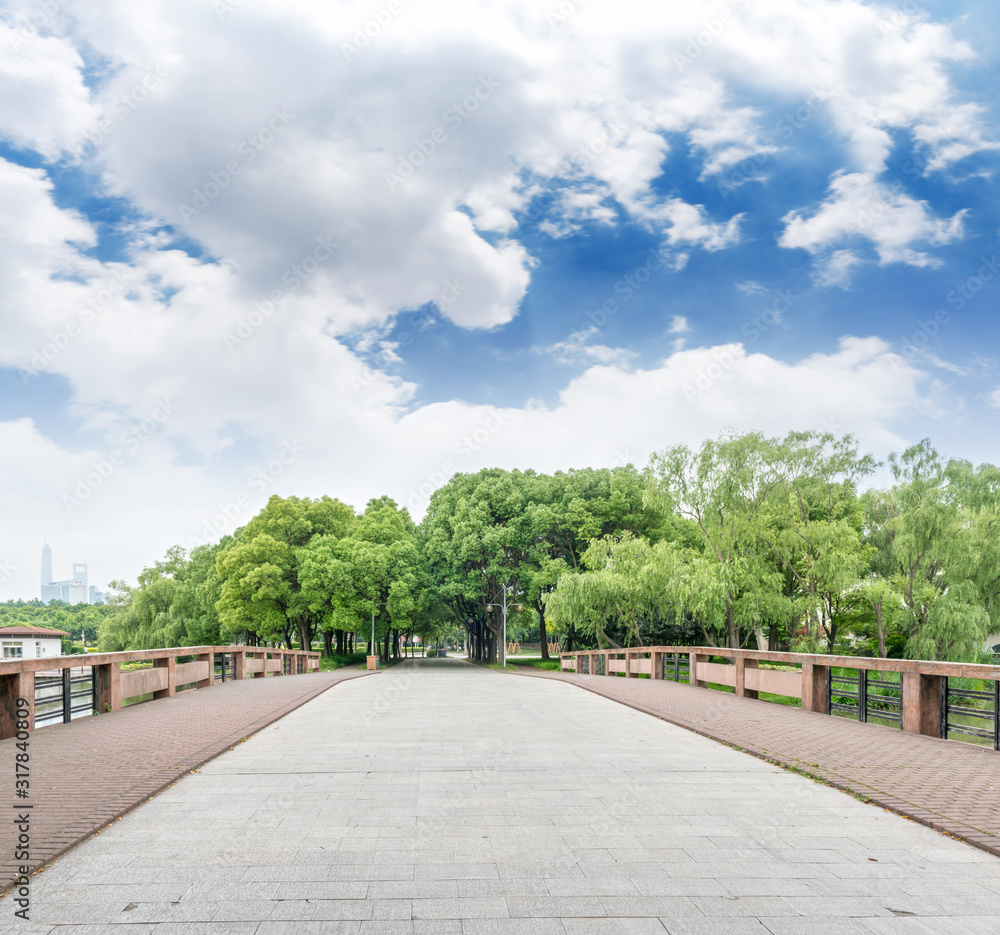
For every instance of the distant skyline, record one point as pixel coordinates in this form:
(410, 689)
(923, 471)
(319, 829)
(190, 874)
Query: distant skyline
(395, 242)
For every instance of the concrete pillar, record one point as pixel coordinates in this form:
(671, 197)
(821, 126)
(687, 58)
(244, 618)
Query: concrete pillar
(19, 686)
(656, 665)
(109, 687)
(170, 664)
(210, 659)
(814, 687)
(693, 660)
(240, 667)
(922, 703)
(742, 664)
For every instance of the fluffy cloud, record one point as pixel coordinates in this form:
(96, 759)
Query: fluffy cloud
(858, 207)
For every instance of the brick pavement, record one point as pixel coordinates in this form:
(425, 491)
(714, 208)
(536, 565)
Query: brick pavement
(88, 773)
(951, 786)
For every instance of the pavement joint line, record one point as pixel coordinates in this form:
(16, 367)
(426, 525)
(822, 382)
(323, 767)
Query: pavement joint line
(163, 778)
(941, 823)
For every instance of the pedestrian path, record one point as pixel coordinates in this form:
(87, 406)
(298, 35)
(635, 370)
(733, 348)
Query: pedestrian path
(85, 774)
(446, 798)
(951, 786)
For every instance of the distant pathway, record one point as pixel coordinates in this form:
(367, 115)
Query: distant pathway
(87, 773)
(951, 786)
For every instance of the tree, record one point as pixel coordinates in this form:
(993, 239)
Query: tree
(722, 490)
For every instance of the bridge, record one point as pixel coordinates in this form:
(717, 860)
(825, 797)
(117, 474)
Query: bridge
(439, 796)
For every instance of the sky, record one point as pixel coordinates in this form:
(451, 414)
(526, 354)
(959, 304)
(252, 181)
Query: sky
(251, 247)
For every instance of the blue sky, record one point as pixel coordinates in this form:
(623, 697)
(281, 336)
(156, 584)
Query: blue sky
(251, 252)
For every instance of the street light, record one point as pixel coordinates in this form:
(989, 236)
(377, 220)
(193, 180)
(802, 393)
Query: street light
(504, 605)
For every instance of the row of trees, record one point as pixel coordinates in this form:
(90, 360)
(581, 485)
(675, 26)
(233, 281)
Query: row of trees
(749, 540)
(81, 621)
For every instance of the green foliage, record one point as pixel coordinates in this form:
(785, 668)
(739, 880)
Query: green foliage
(745, 540)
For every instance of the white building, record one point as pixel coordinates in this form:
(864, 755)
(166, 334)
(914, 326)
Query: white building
(26, 642)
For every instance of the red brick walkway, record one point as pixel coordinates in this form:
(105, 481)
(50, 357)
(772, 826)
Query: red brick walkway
(951, 786)
(88, 773)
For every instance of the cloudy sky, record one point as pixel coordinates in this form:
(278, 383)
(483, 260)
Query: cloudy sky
(255, 247)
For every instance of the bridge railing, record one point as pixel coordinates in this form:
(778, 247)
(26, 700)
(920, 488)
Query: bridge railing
(939, 699)
(57, 688)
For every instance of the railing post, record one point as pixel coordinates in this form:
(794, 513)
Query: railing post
(655, 665)
(109, 687)
(742, 664)
(922, 703)
(814, 688)
(170, 664)
(13, 687)
(67, 694)
(694, 659)
(240, 665)
(210, 659)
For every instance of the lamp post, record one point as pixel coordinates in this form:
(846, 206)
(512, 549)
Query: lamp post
(504, 606)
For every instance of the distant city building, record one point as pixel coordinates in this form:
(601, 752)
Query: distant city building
(46, 567)
(73, 590)
(27, 642)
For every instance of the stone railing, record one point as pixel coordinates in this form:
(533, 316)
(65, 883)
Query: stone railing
(913, 694)
(106, 686)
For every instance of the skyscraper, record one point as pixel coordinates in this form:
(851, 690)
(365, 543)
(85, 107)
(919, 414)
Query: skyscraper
(72, 590)
(46, 566)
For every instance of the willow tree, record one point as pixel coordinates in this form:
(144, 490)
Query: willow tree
(721, 490)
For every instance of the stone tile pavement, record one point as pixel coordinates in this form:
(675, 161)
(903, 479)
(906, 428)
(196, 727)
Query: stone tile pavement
(86, 774)
(444, 798)
(951, 786)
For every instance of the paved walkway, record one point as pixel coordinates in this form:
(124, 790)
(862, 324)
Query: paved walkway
(951, 786)
(86, 774)
(445, 798)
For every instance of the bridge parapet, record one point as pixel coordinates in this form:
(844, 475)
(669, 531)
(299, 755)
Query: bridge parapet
(62, 686)
(913, 694)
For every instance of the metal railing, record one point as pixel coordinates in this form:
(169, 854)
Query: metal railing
(64, 694)
(62, 688)
(939, 699)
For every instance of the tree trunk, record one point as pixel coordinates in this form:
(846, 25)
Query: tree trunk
(328, 642)
(880, 629)
(732, 637)
(543, 633)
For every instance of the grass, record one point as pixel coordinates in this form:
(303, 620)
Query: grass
(550, 665)
(329, 663)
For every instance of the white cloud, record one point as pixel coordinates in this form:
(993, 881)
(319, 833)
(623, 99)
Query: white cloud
(679, 325)
(994, 398)
(859, 207)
